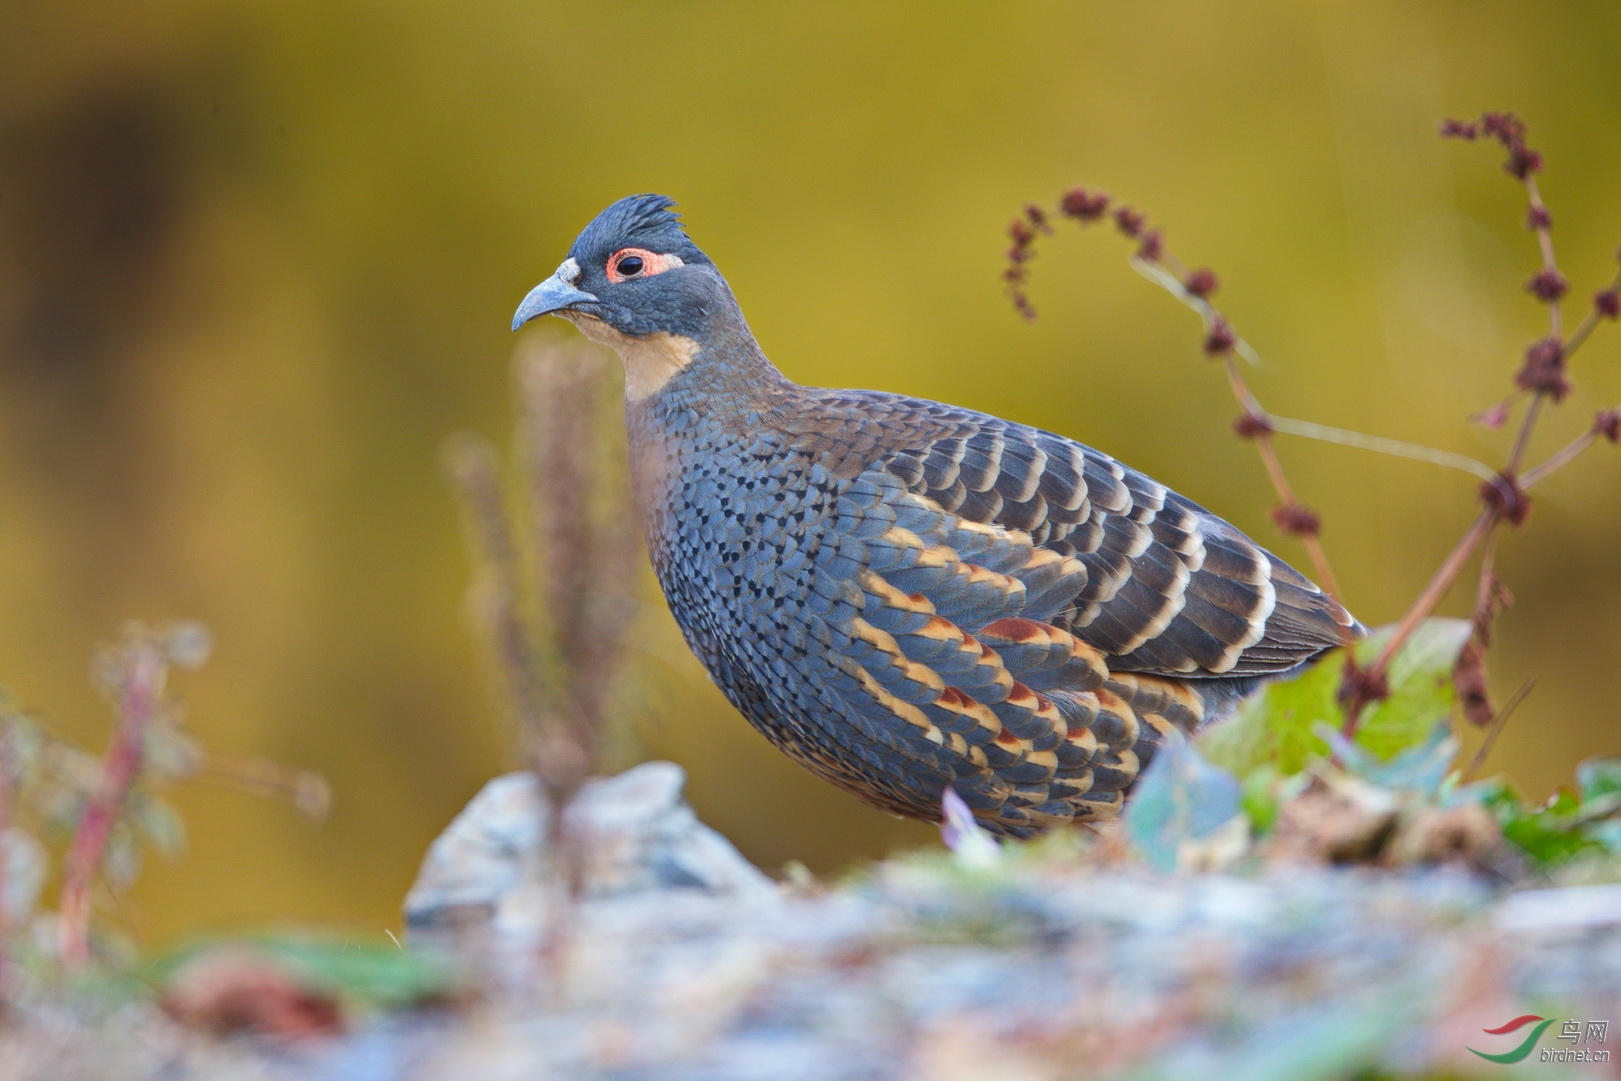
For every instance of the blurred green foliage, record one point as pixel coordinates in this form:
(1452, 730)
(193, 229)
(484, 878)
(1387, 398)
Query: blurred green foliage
(1584, 821)
(1279, 724)
(1402, 756)
(257, 260)
(367, 977)
(47, 783)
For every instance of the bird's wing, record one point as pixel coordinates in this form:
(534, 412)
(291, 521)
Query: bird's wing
(1152, 580)
(914, 655)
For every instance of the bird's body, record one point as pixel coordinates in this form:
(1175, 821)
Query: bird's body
(906, 596)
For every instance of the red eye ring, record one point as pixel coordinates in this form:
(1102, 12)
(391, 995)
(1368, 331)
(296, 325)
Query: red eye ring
(651, 263)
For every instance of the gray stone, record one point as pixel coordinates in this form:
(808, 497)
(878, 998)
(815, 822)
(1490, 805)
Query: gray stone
(491, 866)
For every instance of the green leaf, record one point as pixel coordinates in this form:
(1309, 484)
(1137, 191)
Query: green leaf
(367, 975)
(385, 977)
(1274, 725)
(1549, 834)
(1544, 838)
(1180, 798)
(1260, 801)
(1421, 691)
(1277, 724)
(1598, 777)
(1420, 769)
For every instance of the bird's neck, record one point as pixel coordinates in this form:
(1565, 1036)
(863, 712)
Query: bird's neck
(686, 396)
(720, 372)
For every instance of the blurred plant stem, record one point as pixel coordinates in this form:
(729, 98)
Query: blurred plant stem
(553, 590)
(309, 793)
(7, 773)
(143, 684)
(112, 804)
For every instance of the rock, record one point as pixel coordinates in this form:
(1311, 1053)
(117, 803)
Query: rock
(680, 962)
(491, 867)
(479, 858)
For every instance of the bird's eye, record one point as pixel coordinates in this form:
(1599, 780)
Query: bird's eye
(627, 263)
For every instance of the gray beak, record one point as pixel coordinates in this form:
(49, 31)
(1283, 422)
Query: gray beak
(552, 295)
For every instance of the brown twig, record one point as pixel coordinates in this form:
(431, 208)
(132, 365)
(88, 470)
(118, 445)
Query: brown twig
(1499, 721)
(309, 793)
(1291, 516)
(142, 690)
(1470, 678)
(1543, 376)
(586, 551)
(1361, 687)
(561, 644)
(1605, 426)
(1488, 592)
(474, 471)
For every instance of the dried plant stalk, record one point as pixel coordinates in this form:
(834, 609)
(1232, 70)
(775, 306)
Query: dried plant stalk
(584, 524)
(1503, 493)
(142, 690)
(554, 588)
(6, 772)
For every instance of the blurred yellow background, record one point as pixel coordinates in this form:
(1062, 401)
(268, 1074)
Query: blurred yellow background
(257, 260)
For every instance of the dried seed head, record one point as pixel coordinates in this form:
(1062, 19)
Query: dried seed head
(1607, 425)
(1250, 425)
(1547, 285)
(1360, 686)
(1522, 161)
(1130, 221)
(1504, 495)
(1082, 205)
(1201, 283)
(1506, 128)
(1474, 692)
(1607, 302)
(1220, 339)
(1151, 247)
(1293, 520)
(1509, 130)
(1544, 371)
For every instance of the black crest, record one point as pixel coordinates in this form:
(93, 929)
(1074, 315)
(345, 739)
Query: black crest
(641, 221)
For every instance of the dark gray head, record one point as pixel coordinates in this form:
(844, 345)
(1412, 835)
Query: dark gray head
(635, 269)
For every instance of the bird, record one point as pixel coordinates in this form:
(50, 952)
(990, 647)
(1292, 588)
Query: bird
(905, 596)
